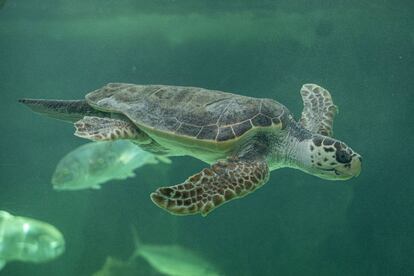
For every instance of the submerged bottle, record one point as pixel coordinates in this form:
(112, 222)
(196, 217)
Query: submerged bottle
(28, 240)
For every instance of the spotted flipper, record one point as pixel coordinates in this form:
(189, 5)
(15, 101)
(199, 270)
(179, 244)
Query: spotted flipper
(319, 110)
(210, 188)
(103, 129)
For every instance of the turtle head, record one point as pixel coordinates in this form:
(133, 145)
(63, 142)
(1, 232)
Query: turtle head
(332, 159)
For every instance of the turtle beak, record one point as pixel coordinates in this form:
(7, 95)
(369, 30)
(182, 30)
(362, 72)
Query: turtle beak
(356, 165)
(352, 169)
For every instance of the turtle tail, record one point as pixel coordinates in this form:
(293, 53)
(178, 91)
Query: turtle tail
(65, 110)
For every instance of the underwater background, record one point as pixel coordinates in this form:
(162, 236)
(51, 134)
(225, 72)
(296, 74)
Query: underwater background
(297, 224)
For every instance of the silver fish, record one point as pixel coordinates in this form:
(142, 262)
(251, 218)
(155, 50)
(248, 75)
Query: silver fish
(174, 260)
(28, 240)
(93, 164)
(116, 267)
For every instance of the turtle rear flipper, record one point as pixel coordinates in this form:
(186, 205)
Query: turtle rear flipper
(210, 188)
(65, 110)
(104, 129)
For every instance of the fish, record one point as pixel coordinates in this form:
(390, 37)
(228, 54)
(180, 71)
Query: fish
(28, 240)
(116, 267)
(92, 164)
(174, 260)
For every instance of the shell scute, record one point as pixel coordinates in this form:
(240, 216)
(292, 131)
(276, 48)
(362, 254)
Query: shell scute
(189, 130)
(241, 128)
(261, 120)
(225, 133)
(268, 109)
(239, 109)
(189, 111)
(171, 124)
(208, 133)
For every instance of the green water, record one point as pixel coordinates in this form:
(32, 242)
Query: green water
(297, 224)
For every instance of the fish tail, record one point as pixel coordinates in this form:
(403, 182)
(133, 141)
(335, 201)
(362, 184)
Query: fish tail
(137, 242)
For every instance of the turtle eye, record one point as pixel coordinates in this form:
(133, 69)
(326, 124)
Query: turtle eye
(343, 157)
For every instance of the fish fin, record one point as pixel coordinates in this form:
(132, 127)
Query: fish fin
(2, 264)
(131, 174)
(124, 175)
(135, 236)
(164, 159)
(4, 214)
(151, 161)
(137, 242)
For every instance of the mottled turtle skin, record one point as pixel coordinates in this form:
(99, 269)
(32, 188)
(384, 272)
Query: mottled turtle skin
(193, 112)
(243, 138)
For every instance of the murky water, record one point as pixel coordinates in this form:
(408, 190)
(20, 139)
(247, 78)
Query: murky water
(297, 224)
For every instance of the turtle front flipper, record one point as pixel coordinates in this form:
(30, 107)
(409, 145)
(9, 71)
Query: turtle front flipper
(319, 110)
(104, 129)
(225, 180)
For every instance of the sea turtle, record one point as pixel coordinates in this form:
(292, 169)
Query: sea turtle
(243, 138)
